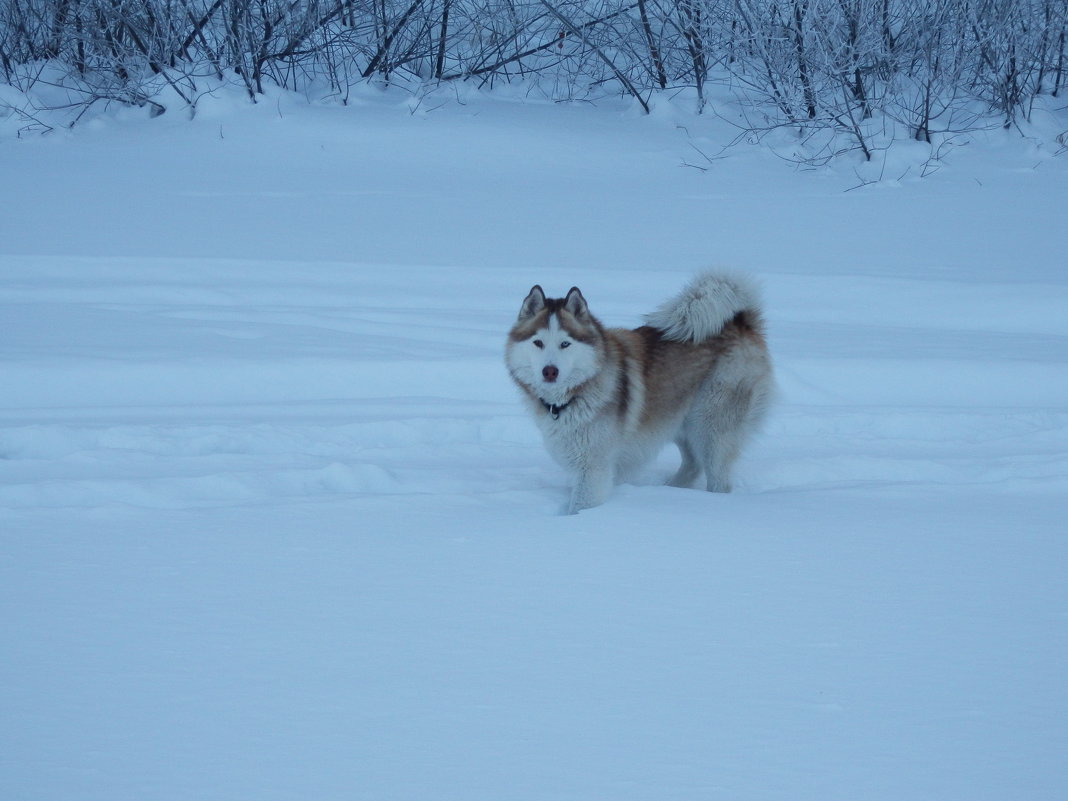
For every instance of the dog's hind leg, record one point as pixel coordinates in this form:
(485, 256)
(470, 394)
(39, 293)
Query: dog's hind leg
(721, 450)
(690, 468)
(721, 423)
(726, 411)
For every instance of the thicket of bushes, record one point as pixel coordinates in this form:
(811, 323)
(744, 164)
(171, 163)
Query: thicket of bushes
(929, 65)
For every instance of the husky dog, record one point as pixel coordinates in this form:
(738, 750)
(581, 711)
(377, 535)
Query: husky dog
(607, 399)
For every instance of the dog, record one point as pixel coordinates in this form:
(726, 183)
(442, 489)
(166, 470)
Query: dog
(607, 399)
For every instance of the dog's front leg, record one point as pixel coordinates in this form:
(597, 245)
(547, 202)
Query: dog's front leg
(589, 452)
(592, 488)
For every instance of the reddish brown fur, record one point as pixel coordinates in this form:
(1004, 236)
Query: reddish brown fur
(674, 370)
(589, 334)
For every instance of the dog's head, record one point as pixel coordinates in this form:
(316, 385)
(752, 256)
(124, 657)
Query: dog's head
(554, 345)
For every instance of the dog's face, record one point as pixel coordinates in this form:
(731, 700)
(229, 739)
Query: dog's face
(553, 346)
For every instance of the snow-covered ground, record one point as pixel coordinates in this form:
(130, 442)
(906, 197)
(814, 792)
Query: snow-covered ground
(274, 525)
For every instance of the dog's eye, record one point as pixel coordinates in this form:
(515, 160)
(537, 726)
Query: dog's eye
(564, 345)
(538, 343)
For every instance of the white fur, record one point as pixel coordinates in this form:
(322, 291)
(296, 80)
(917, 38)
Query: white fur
(576, 361)
(706, 304)
(729, 408)
(585, 443)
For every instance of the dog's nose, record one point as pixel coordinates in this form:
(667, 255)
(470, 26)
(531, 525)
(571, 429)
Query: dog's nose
(550, 372)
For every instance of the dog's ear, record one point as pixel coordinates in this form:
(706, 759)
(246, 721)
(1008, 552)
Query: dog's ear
(533, 303)
(576, 304)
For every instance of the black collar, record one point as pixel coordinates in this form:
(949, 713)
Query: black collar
(555, 409)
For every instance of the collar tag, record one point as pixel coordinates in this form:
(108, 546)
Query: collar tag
(554, 409)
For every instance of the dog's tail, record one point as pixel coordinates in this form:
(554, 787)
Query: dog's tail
(707, 304)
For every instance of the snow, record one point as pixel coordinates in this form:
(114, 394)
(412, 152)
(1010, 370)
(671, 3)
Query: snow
(274, 524)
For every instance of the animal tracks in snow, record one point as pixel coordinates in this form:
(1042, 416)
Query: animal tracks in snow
(195, 383)
(377, 449)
